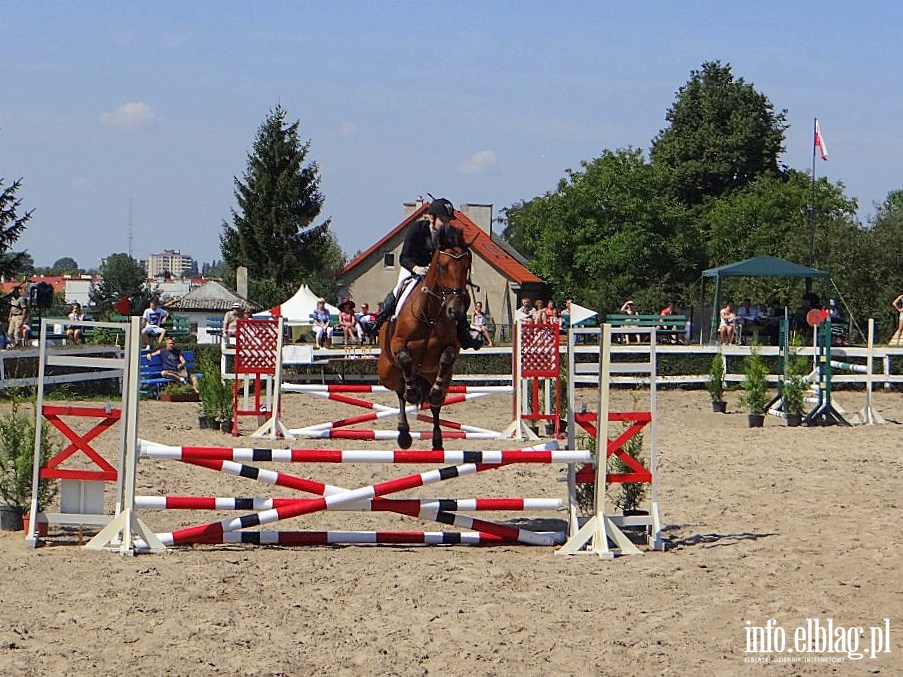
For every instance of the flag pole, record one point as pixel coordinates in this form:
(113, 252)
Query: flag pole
(811, 210)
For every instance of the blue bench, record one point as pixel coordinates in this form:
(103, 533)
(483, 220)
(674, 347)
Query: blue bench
(151, 379)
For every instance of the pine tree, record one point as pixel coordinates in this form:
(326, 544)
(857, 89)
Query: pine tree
(272, 232)
(11, 228)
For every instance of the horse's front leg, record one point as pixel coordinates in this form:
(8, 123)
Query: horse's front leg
(406, 362)
(404, 430)
(440, 389)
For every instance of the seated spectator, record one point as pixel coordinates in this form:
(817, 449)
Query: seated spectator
(322, 324)
(152, 323)
(478, 324)
(174, 365)
(747, 312)
(348, 322)
(365, 320)
(74, 330)
(231, 318)
(726, 324)
(526, 311)
(548, 314)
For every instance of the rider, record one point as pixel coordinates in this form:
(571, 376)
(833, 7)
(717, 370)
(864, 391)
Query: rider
(416, 254)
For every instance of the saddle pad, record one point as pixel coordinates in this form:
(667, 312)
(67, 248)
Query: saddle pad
(410, 284)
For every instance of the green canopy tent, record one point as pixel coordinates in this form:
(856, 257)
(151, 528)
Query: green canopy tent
(758, 266)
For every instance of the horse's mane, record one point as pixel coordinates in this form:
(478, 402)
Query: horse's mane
(451, 237)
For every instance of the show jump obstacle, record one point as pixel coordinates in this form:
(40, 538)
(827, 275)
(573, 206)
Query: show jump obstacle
(535, 390)
(127, 534)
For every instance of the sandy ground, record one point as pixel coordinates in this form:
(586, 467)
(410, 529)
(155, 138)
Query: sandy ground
(778, 523)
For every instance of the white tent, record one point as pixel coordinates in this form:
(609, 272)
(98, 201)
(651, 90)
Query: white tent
(297, 309)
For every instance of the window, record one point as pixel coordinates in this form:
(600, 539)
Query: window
(388, 259)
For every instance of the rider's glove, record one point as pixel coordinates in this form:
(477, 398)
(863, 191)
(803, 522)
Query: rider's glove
(419, 270)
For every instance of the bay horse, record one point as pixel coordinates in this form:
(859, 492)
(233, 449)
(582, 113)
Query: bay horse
(418, 349)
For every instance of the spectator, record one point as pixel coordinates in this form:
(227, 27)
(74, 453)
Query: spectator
(322, 324)
(365, 320)
(74, 330)
(548, 314)
(526, 310)
(175, 368)
(478, 323)
(348, 322)
(152, 323)
(231, 318)
(18, 318)
(628, 308)
(726, 325)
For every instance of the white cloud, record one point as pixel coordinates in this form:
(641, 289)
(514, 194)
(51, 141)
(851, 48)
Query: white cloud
(132, 115)
(348, 128)
(477, 162)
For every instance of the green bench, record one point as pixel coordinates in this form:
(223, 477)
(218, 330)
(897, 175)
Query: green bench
(670, 328)
(176, 326)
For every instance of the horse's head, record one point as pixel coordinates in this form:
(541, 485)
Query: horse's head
(449, 272)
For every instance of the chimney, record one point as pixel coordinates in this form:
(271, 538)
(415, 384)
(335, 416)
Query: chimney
(411, 207)
(480, 215)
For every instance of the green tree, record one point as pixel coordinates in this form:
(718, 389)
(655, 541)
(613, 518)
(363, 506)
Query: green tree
(610, 231)
(273, 232)
(121, 277)
(723, 134)
(880, 264)
(65, 266)
(12, 226)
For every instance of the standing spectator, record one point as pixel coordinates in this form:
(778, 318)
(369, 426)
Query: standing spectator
(478, 323)
(18, 318)
(175, 368)
(896, 338)
(322, 324)
(347, 321)
(628, 308)
(152, 322)
(74, 330)
(230, 320)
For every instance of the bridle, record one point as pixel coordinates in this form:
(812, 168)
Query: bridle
(445, 294)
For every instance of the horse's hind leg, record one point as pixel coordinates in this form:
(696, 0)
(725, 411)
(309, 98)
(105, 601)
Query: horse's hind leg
(404, 430)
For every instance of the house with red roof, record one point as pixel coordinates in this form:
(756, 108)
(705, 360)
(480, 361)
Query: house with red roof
(498, 270)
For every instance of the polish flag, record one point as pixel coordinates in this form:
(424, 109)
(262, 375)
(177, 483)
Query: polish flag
(820, 142)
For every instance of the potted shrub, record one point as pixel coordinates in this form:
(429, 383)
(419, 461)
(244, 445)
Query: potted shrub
(17, 465)
(207, 389)
(178, 392)
(793, 389)
(792, 399)
(755, 388)
(715, 384)
(630, 494)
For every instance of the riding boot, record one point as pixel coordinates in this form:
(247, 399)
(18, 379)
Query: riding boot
(384, 314)
(465, 338)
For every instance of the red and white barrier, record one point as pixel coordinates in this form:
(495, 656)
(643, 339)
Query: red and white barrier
(339, 393)
(262, 511)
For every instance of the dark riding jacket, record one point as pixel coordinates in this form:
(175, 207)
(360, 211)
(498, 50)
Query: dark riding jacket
(418, 246)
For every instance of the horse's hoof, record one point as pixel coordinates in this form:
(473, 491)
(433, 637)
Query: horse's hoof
(437, 446)
(404, 439)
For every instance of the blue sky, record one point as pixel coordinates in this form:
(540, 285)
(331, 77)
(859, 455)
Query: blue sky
(482, 102)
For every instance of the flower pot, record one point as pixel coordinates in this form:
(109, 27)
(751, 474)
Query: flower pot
(206, 422)
(755, 420)
(794, 420)
(719, 407)
(10, 518)
(43, 527)
(179, 397)
(226, 426)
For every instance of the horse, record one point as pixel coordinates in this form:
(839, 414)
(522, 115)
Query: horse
(418, 349)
